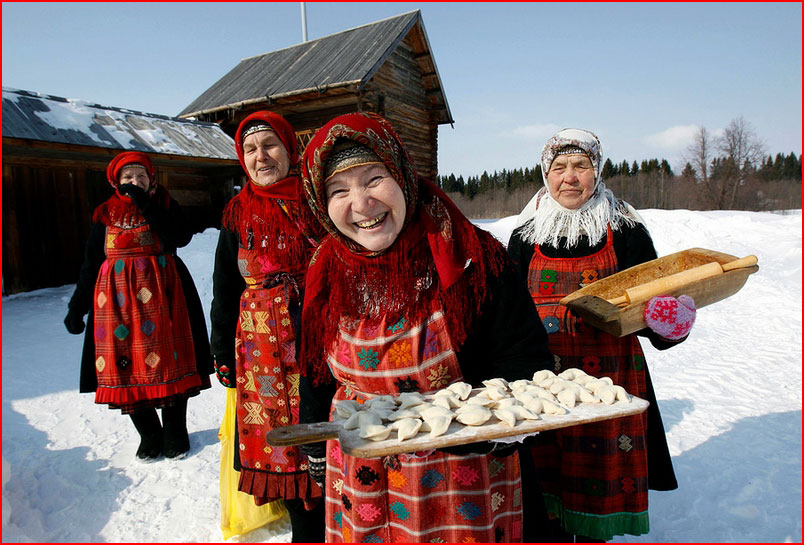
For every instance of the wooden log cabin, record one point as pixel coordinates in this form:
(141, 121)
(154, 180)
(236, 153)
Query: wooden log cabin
(55, 153)
(385, 67)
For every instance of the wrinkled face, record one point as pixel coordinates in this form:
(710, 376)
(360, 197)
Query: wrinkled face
(267, 160)
(135, 175)
(571, 180)
(367, 205)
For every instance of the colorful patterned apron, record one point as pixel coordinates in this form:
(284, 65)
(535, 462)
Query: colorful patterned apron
(595, 476)
(144, 354)
(268, 381)
(421, 497)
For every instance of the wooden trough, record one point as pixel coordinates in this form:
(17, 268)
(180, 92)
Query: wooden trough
(615, 304)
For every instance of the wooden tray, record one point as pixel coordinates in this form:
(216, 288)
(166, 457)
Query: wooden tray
(590, 302)
(457, 434)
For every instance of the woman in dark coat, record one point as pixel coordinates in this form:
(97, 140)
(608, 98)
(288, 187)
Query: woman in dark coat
(573, 232)
(263, 249)
(146, 345)
(406, 295)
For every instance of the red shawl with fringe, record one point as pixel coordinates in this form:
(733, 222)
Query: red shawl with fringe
(274, 217)
(439, 258)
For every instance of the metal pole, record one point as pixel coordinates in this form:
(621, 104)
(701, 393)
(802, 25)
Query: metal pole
(304, 22)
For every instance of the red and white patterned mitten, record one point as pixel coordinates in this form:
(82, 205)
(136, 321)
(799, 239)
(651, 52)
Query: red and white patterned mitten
(669, 317)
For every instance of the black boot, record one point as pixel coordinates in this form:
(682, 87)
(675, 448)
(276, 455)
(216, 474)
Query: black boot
(175, 439)
(147, 423)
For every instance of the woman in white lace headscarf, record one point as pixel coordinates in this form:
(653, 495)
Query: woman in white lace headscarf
(573, 232)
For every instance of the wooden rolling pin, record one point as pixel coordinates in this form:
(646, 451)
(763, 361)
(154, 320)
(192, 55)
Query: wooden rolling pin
(643, 292)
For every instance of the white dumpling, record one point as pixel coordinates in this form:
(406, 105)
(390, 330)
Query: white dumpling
(523, 413)
(494, 393)
(505, 415)
(548, 407)
(541, 393)
(518, 385)
(449, 401)
(362, 419)
(381, 402)
(400, 414)
(460, 389)
(622, 395)
(346, 408)
(435, 410)
(500, 383)
(421, 408)
(534, 405)
(474, 417)
(436, 425)
(410, 399)
(480, 401)
(544, 374)
(567, 397)
(581, 380)
(407, 428)
(375, 432)
(585, 396)
(606, 393)
(507, 402)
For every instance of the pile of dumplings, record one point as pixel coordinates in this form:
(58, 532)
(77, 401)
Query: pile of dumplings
(412, 413)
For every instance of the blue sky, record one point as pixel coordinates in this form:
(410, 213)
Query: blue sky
(640, 75)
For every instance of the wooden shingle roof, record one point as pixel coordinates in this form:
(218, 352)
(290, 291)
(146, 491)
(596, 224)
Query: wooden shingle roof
(33, 116)
(348, 58)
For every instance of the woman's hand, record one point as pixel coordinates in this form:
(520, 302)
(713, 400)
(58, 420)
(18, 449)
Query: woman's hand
(670, 318)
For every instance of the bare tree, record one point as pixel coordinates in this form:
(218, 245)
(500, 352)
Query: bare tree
(699, 155)
(744, 150)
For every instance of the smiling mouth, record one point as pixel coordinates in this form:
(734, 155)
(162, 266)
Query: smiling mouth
(371, 224)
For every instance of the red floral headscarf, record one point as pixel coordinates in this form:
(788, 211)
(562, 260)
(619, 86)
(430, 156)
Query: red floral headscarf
(438, 259)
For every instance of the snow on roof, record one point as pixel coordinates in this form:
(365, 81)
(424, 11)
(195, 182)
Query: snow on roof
(33, 116)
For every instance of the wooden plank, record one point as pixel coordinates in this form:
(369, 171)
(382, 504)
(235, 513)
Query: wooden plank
(457, 434)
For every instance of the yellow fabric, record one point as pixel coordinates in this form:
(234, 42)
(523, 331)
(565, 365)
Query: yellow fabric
(239, 514)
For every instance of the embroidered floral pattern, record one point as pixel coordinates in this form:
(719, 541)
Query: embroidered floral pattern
(366, 476)
(398, 508)
(465, 475)
(439, 377)
(397, 479)
(497, 500)
(398, 326)
(469, 510)
(431, 478)
(495, 467)
(551, 324)
(368, 359)
(400, 354)
(367, 512)
(591, 364)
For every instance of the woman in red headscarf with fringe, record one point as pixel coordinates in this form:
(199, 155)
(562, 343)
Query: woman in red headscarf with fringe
(146, 345)
(263, 250)
(406, 295)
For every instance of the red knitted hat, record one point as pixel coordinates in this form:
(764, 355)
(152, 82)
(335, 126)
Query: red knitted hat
(281, 127)
(128, 158)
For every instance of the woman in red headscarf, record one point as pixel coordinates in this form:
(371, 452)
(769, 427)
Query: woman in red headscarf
(146, 345)
(406, 295)
(264, 246)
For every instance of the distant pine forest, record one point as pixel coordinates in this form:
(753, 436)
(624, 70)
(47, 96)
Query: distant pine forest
(775, 184)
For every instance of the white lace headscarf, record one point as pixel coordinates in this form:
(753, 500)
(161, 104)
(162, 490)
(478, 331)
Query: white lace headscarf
(546, 221)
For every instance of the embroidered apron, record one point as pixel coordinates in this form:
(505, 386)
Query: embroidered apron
(421, 497)
(268, 381)
(594, 475)
(143, 341)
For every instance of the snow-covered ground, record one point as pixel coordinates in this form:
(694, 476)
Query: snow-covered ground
(730, 397)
